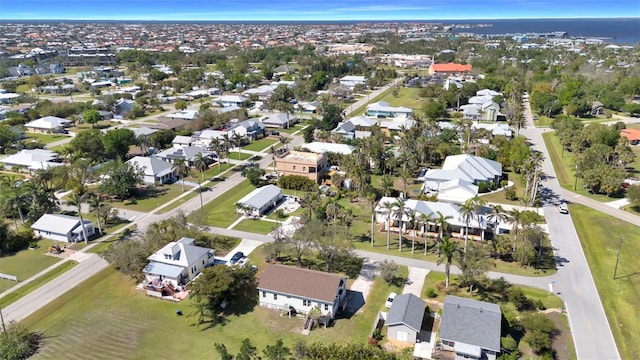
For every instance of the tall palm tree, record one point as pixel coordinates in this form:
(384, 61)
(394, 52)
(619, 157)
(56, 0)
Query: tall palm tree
(95, 204)
(182, 170)
(478, 203)
(399, 211)
(536, 159)
(497, 214)
(388, 206)
(144, 142)
(284, 141)
(76, 198)
(372, 202)
(272, 150)
(516, 217)
(424, 219)
(467, 212)
(413, 221)
(333, 207)
(200, 163)
(226, 144)
(443, 223)
(448, 249)
(216, 146)
(236, 138)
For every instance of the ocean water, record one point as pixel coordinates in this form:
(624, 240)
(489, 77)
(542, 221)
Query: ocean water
(622, 31)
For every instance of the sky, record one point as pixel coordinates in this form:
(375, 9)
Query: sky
(309, 10)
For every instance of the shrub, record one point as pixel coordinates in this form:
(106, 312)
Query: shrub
(431, 293)
(540, 305)
(17, 342)
(482, 187)
(297, 182)
(519, 299)
(508, 343)
(510, 193)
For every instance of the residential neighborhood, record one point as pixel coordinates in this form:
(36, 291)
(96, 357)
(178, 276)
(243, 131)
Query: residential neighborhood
(407, 192)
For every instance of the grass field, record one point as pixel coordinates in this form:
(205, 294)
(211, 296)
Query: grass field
(222, 211)
(14, 296)
(26, 263)
(133, 326)
(151, 198)
(45, 138)
(499, 196)
(407, 97)
(255, 226)
(563, 164)
(213, 171)
(260, 145)
(242, 156)
(600, 235)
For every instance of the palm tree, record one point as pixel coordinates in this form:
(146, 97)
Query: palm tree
(284, 140)
(442, 226)
(536, 159)
(236, 138)
(95, 204)
(413, 221)
(399, 210)
(215, 146)
(448, 249)
(478, 203)
(272, 150)
(144, 143)
(388, 206)
(76, 198)
(226, 144)
(182, 170)
(497, 214)
(372, 202)
(516, 217)
(200, 163)
(424, 219)
(467, 211)
(333, 207)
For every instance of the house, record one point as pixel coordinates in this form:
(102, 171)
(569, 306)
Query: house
(355, 128)
(487, 111)
(62, 228)
(488, 92)
(633, 135)
(177, 263)
(181, 141)
(123, 107)
(470, 328)
(228, 100)
(395, 126)
(47, 124)
(404, 320)
(308, 107)
(382, 109)
(279, 121)
(31, 159)
(597, 108)
(471, 168)
(6, 98)
(494, 128)
(303, 163)
(154, 171)
(250, 128)
(186, 153)
(351, 81)
(184, 115)
(449, 68)
(260, 201)
(457, 191)
(142, 131)
(322, 147)
(293, 289)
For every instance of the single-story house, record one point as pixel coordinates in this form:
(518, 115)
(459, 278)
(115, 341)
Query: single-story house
(633, 135)
(228, 100)
(143, 131)
(180, 141)
(177, 263)
(186, 153)
(260, 201)
(62, 228)
(293, 289)
(322, 147)
(47, 124)
(6, 98)
(494, 128)
(470, 328)
(250, 128)
(123, 106)
(404, 320)
(351, 81)
(471, 168)
(456, 191)
(155, 171)
(382, 109)
(32, 159)
(279, 120)
(355, 128)
(184, 115)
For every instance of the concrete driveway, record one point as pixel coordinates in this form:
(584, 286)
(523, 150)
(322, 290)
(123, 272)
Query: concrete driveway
(246, 246)
(359, 290)
(415, 281)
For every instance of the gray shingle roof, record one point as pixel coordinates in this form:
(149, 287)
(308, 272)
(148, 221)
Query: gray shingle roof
(261, 196)
(471, 322)
(407, 309)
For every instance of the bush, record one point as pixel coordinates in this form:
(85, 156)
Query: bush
(510, 193)
(297, 182)
(509, 344)
(431, 293)
(482, 187)
(519, 299)
(17, 342)
(540, 305)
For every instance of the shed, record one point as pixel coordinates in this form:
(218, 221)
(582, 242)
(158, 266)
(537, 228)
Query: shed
(405, 318)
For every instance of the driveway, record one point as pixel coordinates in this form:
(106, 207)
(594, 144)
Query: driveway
(415, 281)
(246, 246)
(359, 290)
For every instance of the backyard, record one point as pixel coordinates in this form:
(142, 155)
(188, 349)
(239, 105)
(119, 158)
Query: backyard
(259, 145)
(600, 235)
(26, 263)
(152, 197)
(222, 211)
(255, 226)
(45, 138)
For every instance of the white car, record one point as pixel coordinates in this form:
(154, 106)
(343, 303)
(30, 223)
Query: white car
(389, 301)
(563, 208)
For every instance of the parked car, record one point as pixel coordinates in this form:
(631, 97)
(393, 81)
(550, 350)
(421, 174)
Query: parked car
(390, 299)
(274, 133)
(563, 208)
(237, 256)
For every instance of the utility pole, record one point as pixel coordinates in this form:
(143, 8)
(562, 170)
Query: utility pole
(615, 270)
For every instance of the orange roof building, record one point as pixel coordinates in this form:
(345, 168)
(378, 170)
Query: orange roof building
(449, 68)
(633, 135)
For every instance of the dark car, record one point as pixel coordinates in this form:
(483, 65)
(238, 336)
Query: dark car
(237, 256)
(275, 133)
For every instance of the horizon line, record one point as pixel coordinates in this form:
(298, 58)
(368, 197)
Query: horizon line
(327, 20)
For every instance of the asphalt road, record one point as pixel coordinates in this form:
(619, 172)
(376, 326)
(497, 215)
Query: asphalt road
(573, 281)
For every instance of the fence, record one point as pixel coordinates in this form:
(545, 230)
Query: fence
(9, 277)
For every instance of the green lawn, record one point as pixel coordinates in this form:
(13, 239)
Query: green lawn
(564, 165)
(45, 138)
(255, 226)
(499, 196)
(222, 211)
(102, 124)
(134, 326)
(26, 263)
(213, 171)
(242, 156)
(261, 144)
(151, 198)
(14, 296)
(407, 97)
(543, 121)
(600, 234)
(178, 202)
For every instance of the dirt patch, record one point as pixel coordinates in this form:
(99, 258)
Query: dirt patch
(562, 342)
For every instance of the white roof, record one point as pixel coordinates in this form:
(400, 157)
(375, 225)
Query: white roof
(382, 106)
(488, 92)
(480, 99)
(232, 99)
(186, 115)
(8, 96)
(431, 210)
(477, 167)
(182, 253)
(48, 123)
(180, 139)
(261, 196)
(33, 159)
(57, 223)
(151, 166)
(321, 148)
(457, 191)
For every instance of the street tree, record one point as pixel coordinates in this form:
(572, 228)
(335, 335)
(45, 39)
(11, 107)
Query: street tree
(448, 249)
(182, 170)
(117, 142)
(76, 198)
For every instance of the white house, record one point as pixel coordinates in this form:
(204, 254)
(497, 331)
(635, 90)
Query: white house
(470, 328)
(177, 263)
(47, 124)
(260, 201)
(355, 128)
(300, 290)
(62, 228)
(228, 100)
(487, 111)
(456, 191)
(471, 168)
(184, 115)
(383, 109)
(250, 128)
(155, 171)
(180, 141)
(322, 147)
(351, 81)
(32, 159)
(186, 153)
(296, 289)
(278, 120)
